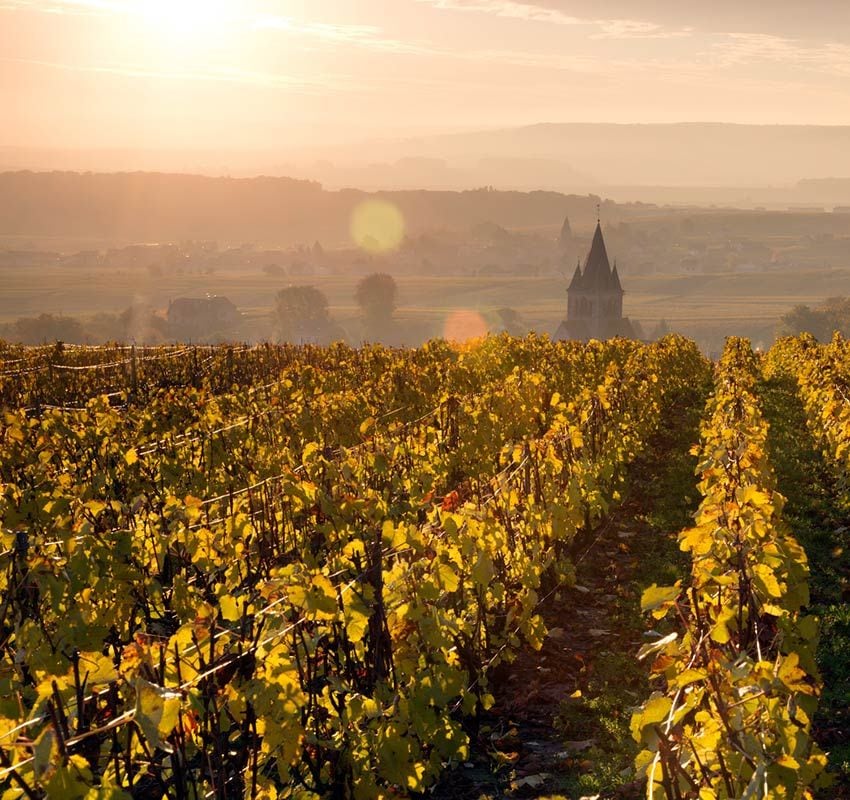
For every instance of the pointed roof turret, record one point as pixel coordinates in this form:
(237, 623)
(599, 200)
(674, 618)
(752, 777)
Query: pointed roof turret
(597, 268)
(615, 280)
(566, 236)
(575, 283)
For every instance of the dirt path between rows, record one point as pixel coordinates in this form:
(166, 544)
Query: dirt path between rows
(560, 723)
(547, 731)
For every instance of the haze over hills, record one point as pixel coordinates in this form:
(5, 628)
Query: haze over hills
(158, 207)
(678, 163)
(765, 159)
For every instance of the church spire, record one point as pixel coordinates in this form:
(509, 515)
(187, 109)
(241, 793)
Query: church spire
(595, 303)
(597, 268)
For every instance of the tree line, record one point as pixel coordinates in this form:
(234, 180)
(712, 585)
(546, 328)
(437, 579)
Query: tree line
(832, 315)
(302, 313)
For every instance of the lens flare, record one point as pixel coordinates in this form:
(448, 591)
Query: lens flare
(377, 226)
(463, 325)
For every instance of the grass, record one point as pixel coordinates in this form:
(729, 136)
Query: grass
(694, 305)
(603, 717)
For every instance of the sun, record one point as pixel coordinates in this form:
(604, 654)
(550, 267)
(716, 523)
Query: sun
(189, 19)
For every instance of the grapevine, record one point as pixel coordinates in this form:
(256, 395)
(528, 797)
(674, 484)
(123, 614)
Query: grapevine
(283, 572)
(737, 680)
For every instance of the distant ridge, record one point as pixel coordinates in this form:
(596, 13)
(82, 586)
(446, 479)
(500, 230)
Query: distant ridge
(669, 154)
(158, 207)
(570, 157)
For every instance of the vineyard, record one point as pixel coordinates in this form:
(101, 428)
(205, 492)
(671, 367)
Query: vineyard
(280, 571)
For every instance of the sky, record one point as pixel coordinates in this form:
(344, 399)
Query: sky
(265, 74)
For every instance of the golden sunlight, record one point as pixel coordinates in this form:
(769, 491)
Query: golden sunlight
(196, 19)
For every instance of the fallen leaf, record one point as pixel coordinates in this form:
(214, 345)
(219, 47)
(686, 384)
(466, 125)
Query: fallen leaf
(532, 781)
(578, 746)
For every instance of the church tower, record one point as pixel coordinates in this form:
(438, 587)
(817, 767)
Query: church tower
(595, 298)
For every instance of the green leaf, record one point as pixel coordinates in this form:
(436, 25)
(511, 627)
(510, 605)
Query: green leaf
(321, 598)
(95, 506)
(448, 577)
(310, 450)
(483, 571)
(656, 710)
(689, 676)
(157, 712)
(807, 627)
(656, 596)
(97, 668)
(766, 581)
(229, 608)
(71, 780)
(720, 633)
(356, 623)
(45, 752)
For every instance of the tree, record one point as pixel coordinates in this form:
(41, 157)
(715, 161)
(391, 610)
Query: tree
(831, 315)
(302, 315)
(511, 322)
(837, 310)
(661, 330)
(48, 328)
(802, 319)
(376, 295)
(138, 323)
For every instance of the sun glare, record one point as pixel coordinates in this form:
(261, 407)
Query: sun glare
(189, 19)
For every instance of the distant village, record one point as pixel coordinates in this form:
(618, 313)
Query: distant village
(671, 243)
(666, 243)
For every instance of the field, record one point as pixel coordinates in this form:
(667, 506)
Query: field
(703, 307)
(511, 568)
